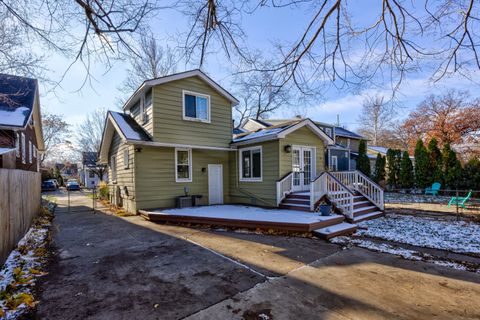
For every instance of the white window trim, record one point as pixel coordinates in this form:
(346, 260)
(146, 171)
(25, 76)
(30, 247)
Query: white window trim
(336, 163)
(17, 145)
(241, 164)
(113, 168)
(190, 165)
(126, 158)
(184, 92)
(145, 98)
(24, 151)
(30, 151)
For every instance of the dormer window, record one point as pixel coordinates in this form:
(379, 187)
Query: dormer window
(196, 106)
(148, 98)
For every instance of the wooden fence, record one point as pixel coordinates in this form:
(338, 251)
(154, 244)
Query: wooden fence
(20, 198)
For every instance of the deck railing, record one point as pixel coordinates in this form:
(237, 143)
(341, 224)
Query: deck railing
(284, 187)
(340, 195)
(356, 180)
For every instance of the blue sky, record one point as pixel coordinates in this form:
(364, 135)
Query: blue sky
(261, 28)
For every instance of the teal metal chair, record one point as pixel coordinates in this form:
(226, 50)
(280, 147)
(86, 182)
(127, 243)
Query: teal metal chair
(460, 201)
(433, 190)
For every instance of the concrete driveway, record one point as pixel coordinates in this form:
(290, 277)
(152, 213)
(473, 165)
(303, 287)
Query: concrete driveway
(107, 267)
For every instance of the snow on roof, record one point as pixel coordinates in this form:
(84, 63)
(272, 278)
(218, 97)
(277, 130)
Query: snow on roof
(258, 134)
(381, 150)
(5, 150)
(17, 95)
(339, 131)
(129, 127)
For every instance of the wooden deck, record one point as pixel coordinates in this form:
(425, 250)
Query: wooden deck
(156, 215)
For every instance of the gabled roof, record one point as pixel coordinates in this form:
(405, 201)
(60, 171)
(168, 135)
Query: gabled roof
(19, 103)
(177, 76)
(339, 131)
(17, 96)
(126, 127)
(278, 132)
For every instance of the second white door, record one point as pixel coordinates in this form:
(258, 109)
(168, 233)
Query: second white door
(215, 184)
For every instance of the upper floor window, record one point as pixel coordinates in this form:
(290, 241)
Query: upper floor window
(135, 110)
(126, 158)
(148, 98)
(251, 164)
(196, 106)
(328, 131)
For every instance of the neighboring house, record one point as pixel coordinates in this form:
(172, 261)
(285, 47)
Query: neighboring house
(340, 155)
(67, 170)
(89, 170)
(21, 139)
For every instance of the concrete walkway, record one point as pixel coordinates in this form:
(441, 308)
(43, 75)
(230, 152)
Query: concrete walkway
(107, 267)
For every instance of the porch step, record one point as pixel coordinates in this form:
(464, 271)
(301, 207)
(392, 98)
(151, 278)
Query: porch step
(364, 210)
(302, 196)
(340, 229)
(367, 216)
(296, 201)
(359, 198)
(300, 207)
(361, 204)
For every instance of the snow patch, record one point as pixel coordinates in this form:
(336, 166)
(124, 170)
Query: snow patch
(238, 212)
(14, 116)
(430, 232)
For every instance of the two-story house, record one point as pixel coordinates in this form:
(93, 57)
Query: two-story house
(176, 137)
(340, 155)
(21, 139)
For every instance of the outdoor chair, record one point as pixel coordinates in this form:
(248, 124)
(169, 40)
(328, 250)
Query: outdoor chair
(460, 201)
(433, 190)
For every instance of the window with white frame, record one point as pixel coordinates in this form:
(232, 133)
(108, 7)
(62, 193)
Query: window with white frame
(334, 165)
(126, 158)
(113, 168)
(17, 145)
(251, 164)
(30, 151)
(148, 98)
(183, 165)
(196, 106)
(24, 149)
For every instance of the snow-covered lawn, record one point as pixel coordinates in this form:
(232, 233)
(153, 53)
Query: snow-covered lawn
(402, 252)
(239, 212)
(394, 197)
(437, 233)
(23, 266)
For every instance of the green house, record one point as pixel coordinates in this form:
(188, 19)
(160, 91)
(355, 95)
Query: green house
(175, 137)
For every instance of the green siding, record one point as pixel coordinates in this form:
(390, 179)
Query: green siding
(168, 123)
(261, 193)
(155, 176)
(125, 176)
(301, 137)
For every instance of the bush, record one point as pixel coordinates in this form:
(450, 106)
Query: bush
(471, 175)
(363, 163)
(406, 171)
(103, 190)
(394, 158)
(422, 164)
(435, 162)
(452, 169)
(379, 173)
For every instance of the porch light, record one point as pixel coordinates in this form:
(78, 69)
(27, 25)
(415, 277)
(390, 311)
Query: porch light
(288, 148)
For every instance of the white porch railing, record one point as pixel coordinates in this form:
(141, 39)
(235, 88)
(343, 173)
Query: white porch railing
(327, 184)
(356, 180)
(284, 187)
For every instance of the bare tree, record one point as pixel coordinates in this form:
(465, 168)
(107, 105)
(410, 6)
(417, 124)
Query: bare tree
(376, 119)
(339, 46)
(55, 132)
(83, 30)
(152, 61)
(259, 97)
(88, 134)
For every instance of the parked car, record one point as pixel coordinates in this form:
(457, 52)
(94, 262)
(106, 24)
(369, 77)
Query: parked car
(54, 182)
(72, 185)
(48, 185)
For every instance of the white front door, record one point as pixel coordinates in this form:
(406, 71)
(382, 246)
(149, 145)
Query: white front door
(215, 184)
(303, 167)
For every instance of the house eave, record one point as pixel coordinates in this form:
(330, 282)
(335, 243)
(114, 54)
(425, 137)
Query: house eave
(175, 145)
